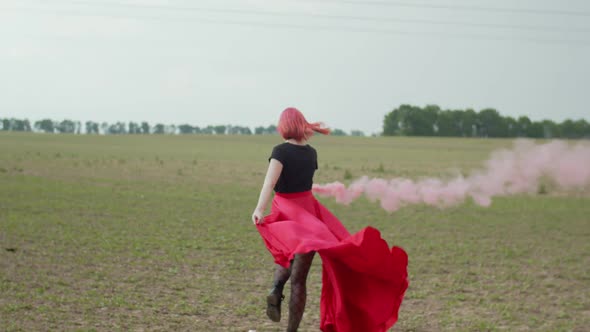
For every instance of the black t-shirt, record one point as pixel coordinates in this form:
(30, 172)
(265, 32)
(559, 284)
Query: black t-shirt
(299, 164)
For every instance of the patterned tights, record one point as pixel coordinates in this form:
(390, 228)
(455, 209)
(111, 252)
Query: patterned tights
(298, 272)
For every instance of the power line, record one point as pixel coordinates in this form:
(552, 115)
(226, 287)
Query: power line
(456, 7)
(333, 17)
(435, 6)
(572, 42)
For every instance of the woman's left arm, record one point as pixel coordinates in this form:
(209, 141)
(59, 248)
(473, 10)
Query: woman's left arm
(272, 176)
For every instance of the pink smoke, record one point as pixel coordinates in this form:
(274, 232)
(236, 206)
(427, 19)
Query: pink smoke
(507, 172)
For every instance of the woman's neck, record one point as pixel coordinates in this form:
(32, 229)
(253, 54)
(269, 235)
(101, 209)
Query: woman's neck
(296, 142)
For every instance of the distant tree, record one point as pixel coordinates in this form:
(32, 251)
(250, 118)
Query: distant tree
(491, 124)
(582, 128)
(185, 129)
(415, 121)
(19, 125)
(91, 127)
(27, 125)
(357, 133)
(433, 109)
(123, 128)
(134, 128)
(259, 130)
(220, 129)
(511, 126)
(170, 129)
(458, 121)
(399, 120)
(567, 128)
(535, 130)
(338, 132)
(239, 130)
(209, 130)
(113, 129)
(45, 125)
(66, 127)
(431, 113)
(104, 128)
(159, 129)
(523, 125)
(575, 129)
(470, 122)
(5, 124)
(393, 121)
(145, 128)
(550, 129)
(446, 124)
(118, 128)
(270, 130)
(420, 122)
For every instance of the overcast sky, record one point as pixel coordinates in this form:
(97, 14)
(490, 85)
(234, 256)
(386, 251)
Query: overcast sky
(346, 63)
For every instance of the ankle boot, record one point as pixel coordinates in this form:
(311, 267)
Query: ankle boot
(273, 303)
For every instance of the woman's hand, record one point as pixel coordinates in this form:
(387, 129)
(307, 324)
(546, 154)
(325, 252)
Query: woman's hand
(258, 217)
(272, 175)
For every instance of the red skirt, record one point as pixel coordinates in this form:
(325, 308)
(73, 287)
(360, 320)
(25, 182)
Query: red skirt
(363, 280)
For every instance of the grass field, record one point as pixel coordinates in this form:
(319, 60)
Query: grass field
(153, 233)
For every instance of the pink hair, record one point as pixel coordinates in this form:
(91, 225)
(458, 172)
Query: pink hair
(292, 125)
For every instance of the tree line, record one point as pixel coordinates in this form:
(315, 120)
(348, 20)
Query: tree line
(431, 120)
(406, 120)
(119, 128)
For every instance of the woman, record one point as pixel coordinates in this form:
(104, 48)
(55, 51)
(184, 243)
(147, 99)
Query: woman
(363, 280)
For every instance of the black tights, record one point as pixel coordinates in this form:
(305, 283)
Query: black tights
(298, 272)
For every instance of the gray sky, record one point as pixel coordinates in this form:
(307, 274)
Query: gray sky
(161, 61)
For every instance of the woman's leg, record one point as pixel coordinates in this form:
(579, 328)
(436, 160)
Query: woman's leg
(274, 299)
(281, 276)
(299, 270)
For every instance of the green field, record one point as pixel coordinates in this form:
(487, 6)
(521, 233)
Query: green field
(153, 233)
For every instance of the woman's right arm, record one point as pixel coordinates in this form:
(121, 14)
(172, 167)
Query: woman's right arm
(272, 176)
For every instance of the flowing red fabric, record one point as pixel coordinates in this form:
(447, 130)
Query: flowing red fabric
(363, 280)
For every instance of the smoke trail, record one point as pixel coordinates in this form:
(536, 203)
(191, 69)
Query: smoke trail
(507, 172)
